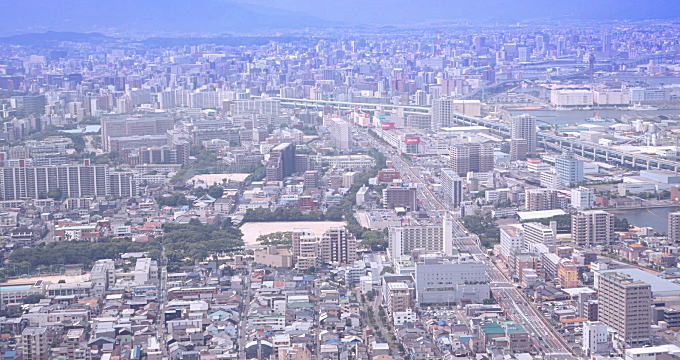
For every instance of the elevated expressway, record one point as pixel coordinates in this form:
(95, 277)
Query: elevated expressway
(548, 140)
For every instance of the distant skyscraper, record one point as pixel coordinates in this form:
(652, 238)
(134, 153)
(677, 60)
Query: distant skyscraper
(340, 132)
(452, 187)
(674, 226)
(524, 127)
(442, 112)
(606, 43)
(281, 162)
(626, 306)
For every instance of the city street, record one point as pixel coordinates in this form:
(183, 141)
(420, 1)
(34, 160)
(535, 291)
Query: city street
(519, 308)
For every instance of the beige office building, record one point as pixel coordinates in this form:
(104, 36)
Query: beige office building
(626, 306)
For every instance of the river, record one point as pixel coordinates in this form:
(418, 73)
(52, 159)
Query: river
(576, 117)
(656, 218)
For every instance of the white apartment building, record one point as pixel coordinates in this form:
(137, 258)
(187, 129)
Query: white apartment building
(595, 338)
(582, 198)
(571, 97)
(537, 233)
(403, 240)
(512, 238)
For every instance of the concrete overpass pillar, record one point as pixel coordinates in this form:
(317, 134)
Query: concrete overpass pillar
(648, 166)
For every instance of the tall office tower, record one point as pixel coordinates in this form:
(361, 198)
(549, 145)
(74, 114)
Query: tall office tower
(540, 199)
(68, 181)
(582, 198)
(400, 195)
(561, 45)
(281, 162)
(421, 98)
(537, 233)
(340, 133)
(442, 112)
(540, 42)
(569, 169)
(523, 54)
(606, 43)
(404, 240)
(305, 249)
(626, 306)
(592, 228)
(473, 157)
(524, 127)
(337, 245)
(33, 343)
(674, 226)
(452, 187)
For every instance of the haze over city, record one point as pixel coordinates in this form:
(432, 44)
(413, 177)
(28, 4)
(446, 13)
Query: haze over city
(340, 180)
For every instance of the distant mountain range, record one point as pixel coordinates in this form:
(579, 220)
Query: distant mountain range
(198, 17)
(51, 38)
(397, 12)
(174, 17)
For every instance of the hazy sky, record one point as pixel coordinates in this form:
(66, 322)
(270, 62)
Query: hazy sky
(243, 16)
(386, 11)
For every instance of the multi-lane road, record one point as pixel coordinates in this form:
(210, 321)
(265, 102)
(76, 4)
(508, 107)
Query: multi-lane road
(543, 336)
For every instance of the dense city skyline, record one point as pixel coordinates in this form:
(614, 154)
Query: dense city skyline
(340, 180)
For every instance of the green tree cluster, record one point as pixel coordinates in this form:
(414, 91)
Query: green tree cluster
(174, 199)
(197, 241)
(279, 238)
(215, 191)
(281, 214)
(78, 141)
(484, 227)
(563, 223)
(621, 224)
(206, 163)
(77, 252)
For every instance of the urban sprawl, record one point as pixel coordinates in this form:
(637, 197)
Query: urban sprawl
(491, 192)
